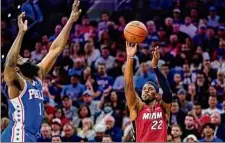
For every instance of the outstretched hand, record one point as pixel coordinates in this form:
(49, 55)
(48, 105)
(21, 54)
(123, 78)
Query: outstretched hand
(131, 49)
(22, 25)
(155, 57)
(75, 11)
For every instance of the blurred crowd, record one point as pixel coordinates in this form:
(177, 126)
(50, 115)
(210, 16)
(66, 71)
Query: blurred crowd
(84, 93)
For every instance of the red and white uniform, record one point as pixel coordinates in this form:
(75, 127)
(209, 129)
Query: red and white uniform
(151, 124)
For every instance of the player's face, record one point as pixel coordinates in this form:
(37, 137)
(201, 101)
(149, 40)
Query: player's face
(148, 93)
(27, 68)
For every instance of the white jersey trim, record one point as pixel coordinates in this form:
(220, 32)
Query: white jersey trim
(18, 117)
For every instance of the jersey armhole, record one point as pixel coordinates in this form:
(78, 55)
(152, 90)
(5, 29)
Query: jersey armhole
(22, 93)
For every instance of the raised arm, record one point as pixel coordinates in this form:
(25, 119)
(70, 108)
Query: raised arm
(59, 44)
(11, 77)
(164, 84)
(133, 101)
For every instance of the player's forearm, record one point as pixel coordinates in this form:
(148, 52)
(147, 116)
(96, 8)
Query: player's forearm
(62, 38)
(128, 74)
(13, 54)
(164, 84)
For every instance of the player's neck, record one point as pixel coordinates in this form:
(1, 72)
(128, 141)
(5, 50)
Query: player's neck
(151, 103)
(26, 78)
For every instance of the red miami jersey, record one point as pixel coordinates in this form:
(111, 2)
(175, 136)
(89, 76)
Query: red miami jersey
(151, 124)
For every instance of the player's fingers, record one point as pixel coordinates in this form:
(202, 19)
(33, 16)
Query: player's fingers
(126, 44)
(135, 45)
(26, 22)
(79, 12)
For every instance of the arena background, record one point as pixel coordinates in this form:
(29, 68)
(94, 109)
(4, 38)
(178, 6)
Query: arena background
(80, 105)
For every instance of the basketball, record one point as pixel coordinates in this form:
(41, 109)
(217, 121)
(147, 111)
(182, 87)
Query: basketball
(135, 32)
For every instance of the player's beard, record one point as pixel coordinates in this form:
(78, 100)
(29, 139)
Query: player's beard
(150, 99)
(29, 70)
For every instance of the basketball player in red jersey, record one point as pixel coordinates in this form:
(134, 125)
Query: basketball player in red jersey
(149, 114)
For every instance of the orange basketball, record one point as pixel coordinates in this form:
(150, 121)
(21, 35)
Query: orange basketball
(135, 32)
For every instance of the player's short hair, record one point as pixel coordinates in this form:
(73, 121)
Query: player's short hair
(156, 86)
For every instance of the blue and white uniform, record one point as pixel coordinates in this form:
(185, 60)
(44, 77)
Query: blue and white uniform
(25, 114)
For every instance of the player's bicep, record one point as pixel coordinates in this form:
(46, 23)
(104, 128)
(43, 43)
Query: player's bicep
(11, 76)
(134, 103)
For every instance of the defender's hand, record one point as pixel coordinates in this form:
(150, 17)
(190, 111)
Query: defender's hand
(131, 49)
(155, 57)
(22, 25)
(75, 12)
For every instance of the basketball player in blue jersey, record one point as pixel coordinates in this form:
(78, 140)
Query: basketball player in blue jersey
(24, 83)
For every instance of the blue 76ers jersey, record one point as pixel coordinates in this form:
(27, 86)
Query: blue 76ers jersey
(26, 111)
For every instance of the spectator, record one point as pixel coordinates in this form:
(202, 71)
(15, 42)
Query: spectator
(37, 55)
(64, 20)
(190, 126)
(78, 67)
(85, 28)
(78, 36)
(219, 126)
(65, 60)
(83, 112)
(91, 53)
(119, 82)
(219, 84)
(58, 29)
(88, 100)
(213, 19)
(56, 139)
(103, 81)
(45, 134)
(69, 110)
(151, 31)
(212, 106)
(185, 106)
(177, 16)
(191, 138)
(100, 132)
(87, 129)
(26, 53)
(59, 113)
(208, 130)
(75, 89)
(115, 132)
(177, 116)
(176, 133)
(104, 20)
(188, 27)
(105, 58)
(107, 138)
(69, 134)
(107, 110)
(200, 38)
(56, 127)
(181, 35)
